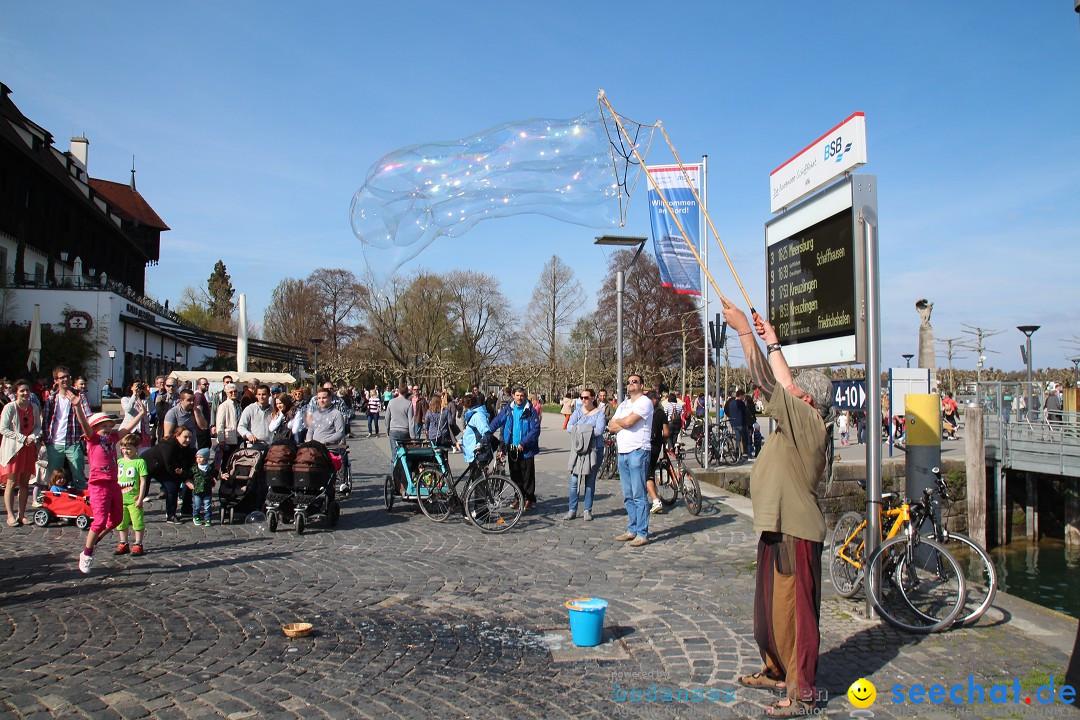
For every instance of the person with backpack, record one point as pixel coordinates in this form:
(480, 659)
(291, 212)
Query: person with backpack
(673, 409)
(476, 431)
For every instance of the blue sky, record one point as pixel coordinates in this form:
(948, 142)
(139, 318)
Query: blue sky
(253, 124)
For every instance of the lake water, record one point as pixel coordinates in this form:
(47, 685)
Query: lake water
(1045, 573)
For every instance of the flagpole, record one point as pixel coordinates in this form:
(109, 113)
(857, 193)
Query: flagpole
(705, 295)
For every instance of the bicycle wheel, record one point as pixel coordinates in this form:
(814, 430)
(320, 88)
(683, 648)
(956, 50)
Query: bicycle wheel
(610, 467)
(433, 492)
(846, 555)
(922, 587)
(388, 493)
(494, 503)
(699, 452)
(979, 574)
(729, 450)
(691, 492)
(666, 489)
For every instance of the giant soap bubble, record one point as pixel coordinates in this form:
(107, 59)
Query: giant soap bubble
(564, 169)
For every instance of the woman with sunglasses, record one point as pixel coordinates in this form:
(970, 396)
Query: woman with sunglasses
(586, 428)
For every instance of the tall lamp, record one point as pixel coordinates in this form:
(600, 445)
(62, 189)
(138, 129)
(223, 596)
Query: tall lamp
(907, 358)
(112, 369)
(620, 281)
(1076, 361)
(315, 384)
(1028, 331)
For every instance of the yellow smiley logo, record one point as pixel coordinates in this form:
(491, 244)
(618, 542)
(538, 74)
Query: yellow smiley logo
(862, 693)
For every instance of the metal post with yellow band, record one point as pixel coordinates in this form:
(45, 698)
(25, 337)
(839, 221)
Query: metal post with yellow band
(922, 422)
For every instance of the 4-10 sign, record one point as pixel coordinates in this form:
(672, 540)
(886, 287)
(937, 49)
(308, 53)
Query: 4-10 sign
(849, 394)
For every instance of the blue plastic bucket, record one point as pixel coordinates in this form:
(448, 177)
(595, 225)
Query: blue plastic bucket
(587, 620)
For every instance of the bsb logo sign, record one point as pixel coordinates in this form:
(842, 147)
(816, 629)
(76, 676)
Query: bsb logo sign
(838, 151)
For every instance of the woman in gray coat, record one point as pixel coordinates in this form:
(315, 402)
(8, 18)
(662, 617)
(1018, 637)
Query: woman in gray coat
(20, 426)
(586, 427)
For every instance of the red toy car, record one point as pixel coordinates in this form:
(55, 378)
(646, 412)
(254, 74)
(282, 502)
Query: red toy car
(66, 505)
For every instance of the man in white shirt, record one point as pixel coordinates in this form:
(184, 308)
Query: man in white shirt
(632, 424)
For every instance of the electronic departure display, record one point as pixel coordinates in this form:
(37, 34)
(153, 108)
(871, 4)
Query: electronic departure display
(811, 282)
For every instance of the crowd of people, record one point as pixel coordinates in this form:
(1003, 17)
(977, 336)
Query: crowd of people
(181, 437)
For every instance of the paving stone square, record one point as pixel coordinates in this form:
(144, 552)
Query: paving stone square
(417, 619)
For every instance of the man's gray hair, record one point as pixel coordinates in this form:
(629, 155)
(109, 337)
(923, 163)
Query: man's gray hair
(819, 387)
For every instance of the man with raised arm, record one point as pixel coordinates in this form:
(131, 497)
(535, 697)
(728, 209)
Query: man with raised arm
(789, 524)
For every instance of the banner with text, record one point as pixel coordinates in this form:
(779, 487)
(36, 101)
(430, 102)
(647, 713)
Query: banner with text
(678, 268)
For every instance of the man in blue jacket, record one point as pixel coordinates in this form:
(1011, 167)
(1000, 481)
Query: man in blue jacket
(520, 427)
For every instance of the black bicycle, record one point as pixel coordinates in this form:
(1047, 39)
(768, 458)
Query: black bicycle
(723, 446)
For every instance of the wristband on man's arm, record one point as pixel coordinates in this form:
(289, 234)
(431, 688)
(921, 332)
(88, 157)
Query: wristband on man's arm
(775, 347)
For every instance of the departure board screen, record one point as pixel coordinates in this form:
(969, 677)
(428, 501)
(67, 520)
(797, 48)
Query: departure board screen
(811, 278)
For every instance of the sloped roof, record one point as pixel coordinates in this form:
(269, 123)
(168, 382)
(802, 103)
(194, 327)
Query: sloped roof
(127, 203)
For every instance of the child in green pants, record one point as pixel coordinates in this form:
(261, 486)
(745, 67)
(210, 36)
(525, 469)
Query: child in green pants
(134, 484)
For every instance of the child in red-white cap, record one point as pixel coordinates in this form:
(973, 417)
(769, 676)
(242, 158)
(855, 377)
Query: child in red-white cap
(106, 498)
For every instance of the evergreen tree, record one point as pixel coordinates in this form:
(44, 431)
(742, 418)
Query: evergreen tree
(219, 288)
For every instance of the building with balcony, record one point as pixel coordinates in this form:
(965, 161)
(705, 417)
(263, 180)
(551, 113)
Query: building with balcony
(78, 247)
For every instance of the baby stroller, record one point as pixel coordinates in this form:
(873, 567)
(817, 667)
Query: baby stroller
(411, 458)
(312, 490)
(278, 473)
(238, 492)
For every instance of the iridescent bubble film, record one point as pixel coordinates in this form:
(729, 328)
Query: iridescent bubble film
(559, 168)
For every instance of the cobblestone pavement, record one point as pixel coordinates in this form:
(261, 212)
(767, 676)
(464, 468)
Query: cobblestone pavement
(416, 619)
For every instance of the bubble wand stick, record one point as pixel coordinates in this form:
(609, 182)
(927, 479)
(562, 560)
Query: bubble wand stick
(603, 98)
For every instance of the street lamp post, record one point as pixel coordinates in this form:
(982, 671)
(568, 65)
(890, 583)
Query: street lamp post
(179, 360)
(1076, 371)
(620, 282)
(1028, 331)
(907, 358)
(316, 342)
(112, 370)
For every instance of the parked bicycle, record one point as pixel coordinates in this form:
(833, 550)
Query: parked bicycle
(980, 575)
(490, 501)
(723, 446)
(673, 479)
(609, 467)
(913, 581)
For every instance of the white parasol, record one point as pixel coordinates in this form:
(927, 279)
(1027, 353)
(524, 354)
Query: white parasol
(33, 361)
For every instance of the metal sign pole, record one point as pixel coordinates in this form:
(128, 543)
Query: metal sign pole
(873, 388)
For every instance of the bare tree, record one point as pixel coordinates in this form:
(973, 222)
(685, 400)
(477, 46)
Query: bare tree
(340, 296)
(481, 316)
(410, 320)
(556, 298)
(294, 313)
(657, 321)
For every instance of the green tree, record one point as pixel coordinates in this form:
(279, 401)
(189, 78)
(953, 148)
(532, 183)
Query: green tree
(220, 291)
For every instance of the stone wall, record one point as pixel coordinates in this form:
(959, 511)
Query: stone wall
(844, 493)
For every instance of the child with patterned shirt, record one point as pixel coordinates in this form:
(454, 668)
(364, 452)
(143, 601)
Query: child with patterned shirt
(134, 483)
(106, 500)
(203, 477)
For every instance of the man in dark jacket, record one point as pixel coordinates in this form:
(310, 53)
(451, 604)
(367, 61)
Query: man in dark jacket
(735, 412)
(520, 427)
